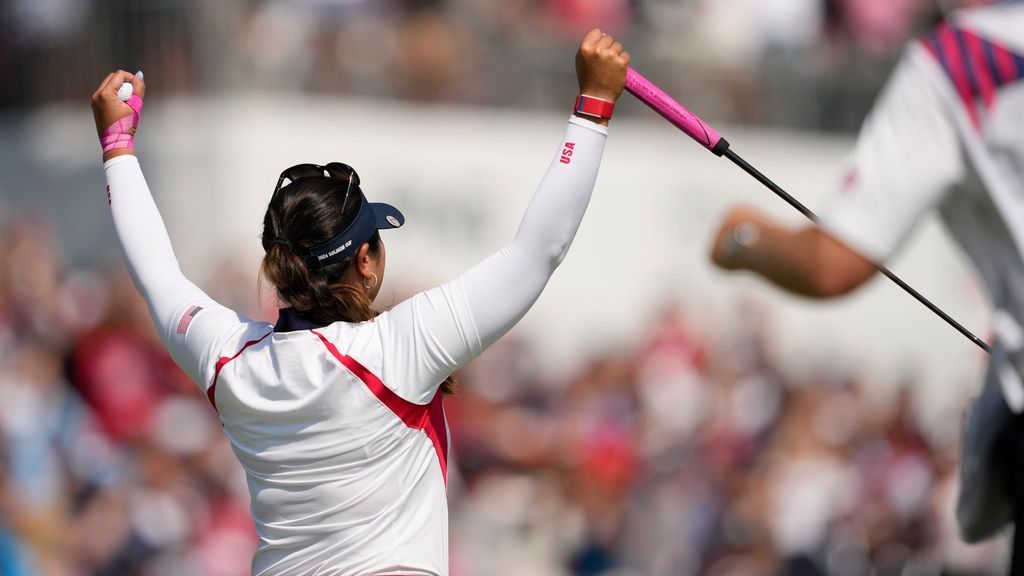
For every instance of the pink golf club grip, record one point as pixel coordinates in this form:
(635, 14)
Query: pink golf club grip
(674, 112)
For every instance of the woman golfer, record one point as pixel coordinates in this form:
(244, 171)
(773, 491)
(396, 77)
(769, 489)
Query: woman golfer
(335, 412)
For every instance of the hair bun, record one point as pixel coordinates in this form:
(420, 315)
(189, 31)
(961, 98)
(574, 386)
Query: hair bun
(283, 242)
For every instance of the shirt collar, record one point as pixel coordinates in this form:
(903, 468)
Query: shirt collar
(290, 320)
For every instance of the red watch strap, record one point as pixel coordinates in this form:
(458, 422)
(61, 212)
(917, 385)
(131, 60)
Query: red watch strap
(590, 106)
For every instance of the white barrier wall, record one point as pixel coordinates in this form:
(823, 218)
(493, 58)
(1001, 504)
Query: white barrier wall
(463, 176)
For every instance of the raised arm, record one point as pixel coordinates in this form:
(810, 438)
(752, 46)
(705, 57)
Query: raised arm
(438, 331)
(190, 324)
(502, 288)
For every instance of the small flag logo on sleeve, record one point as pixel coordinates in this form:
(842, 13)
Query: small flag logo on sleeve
(187, 319)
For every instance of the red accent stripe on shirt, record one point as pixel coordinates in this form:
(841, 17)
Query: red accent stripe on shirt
(223, 361)
(426, 417)
(958, 73)
(976, 53)
(1005, 64)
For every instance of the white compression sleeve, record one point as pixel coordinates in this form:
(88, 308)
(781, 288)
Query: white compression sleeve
(432, 334)
(154, 268)
(426, 337)
(501, 289)
(145, 243)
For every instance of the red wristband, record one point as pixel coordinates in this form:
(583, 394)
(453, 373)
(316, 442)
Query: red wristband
(594, 107)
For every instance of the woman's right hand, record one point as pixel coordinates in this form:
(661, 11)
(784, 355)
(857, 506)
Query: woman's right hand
(601, 66)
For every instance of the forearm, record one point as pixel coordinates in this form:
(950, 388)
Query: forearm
(501, 289)
(781, 256)
(144, 241)
(444, 328)
(553, 216)
(807, 261)
(447, 326)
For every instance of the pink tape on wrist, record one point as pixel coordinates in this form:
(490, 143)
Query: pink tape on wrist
(120, 134)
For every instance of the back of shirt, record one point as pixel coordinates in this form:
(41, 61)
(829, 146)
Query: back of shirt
(343, 471)
(947, 133)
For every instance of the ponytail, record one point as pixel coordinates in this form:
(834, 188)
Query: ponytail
(311, 293)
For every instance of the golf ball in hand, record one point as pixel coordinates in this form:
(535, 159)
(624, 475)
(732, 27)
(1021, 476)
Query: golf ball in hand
(124, 92)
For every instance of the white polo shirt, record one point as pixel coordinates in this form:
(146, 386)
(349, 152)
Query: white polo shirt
(344, 470)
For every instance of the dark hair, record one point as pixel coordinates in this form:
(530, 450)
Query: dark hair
(306, 213)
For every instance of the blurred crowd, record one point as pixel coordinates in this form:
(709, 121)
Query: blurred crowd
(111, 463)
(687, 453)
(806, 63)
(690, 454)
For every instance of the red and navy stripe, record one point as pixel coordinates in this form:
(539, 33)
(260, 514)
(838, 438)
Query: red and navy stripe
(976, 66)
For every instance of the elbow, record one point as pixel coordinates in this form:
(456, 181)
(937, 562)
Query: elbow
(537, 250)
(553, 254)
(835, 270)
(556, 260)
(826, 282)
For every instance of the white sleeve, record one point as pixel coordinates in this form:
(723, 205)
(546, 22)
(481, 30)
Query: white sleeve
(192, 326)
(434, 333)
(908, 155)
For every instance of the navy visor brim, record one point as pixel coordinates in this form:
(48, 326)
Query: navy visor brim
(386, 216)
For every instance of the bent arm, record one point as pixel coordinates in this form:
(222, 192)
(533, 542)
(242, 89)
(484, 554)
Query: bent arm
(807, 261)
(189, 322)
(436, 332)
(907, 157)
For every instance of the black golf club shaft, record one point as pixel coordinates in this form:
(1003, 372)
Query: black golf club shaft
(735, 158)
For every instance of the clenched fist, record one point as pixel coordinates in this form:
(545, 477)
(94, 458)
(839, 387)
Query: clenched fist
(738, 231)
(601, 66)
(107, 108)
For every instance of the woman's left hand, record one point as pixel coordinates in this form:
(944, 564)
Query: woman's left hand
(107, 108)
